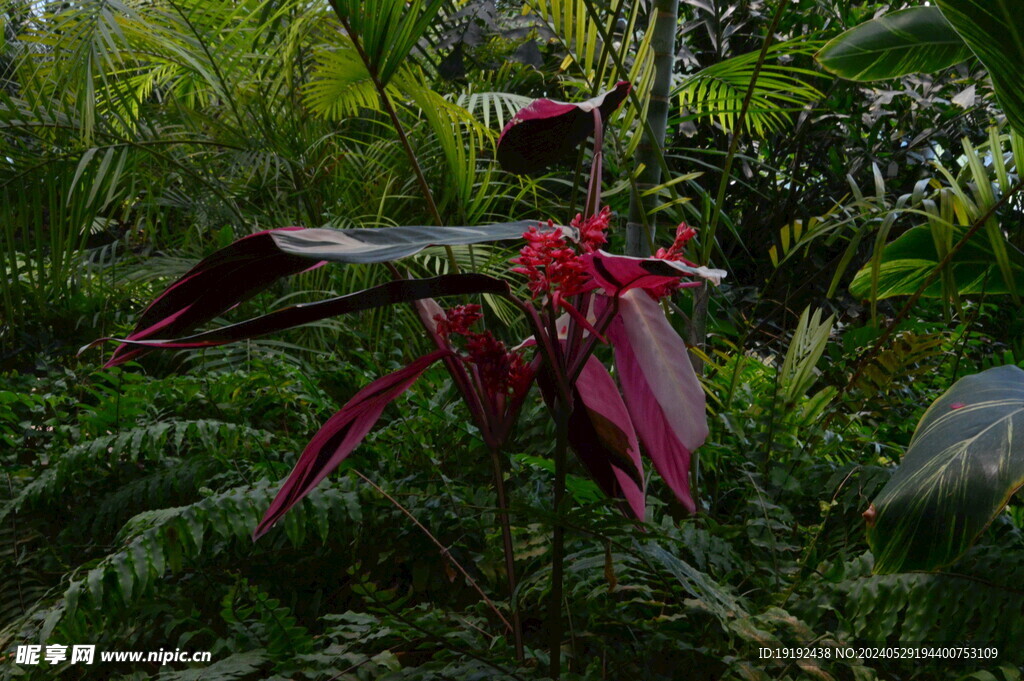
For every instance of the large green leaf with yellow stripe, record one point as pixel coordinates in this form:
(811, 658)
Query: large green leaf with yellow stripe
(908, 41)
(964, 462)
(994, 30)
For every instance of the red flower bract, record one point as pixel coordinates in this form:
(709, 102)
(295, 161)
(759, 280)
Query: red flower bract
(458, 320)
(501, 371)
(674, 253)
(551, 264)
(592, 229)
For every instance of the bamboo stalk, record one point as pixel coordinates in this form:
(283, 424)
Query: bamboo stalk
(663, 43)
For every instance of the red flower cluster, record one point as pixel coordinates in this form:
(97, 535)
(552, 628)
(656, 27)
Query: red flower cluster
(592, 229)
(458, 320)
(501, 371)
(550, 264)
(674, 252)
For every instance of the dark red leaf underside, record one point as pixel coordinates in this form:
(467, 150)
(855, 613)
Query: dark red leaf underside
(391, 293)
(546, 131)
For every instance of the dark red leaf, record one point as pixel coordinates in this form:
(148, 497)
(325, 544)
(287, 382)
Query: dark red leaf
(400, 291)
(617, 274)
(340, 435)
(216, 284)
(545, 130)
(601, 433)
(241, 270)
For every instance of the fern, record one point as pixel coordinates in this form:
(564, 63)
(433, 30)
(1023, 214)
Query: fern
(976, 600)
(155, 543)
(19, 563)
(84, 462)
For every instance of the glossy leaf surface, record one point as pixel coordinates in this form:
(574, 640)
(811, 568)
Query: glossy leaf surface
(918, 39)
(390, 243)
(964, 462)
(994, 30)
(910, 259)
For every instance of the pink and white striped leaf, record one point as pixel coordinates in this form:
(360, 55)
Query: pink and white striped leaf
(661, 391)
(342, 433)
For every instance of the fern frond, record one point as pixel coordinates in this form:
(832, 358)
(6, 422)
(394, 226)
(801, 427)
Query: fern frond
(161, 541)
(99, 456)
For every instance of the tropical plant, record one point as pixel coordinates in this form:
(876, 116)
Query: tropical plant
(567, 274)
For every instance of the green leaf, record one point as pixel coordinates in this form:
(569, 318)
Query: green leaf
(964, 462)
(911, 258)
(994, 30)
(387, 29)
(907, 41)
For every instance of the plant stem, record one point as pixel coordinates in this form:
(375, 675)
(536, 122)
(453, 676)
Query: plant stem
(697, 329)
(400, 129)
(558, 542)
(444, 549)
(510, 561)
(708, 241)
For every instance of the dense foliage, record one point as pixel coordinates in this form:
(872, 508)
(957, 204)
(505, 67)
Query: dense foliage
(872, 235)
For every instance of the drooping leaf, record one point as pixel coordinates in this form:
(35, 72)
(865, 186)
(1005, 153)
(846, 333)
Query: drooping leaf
(917, 39)
(216, 284)
(242, 269)
(994, 30)
(602, 435)
(545, 131)
(965, 461)
(620, 273)
(391, 293)
(390, 243)
(664, 398)
(910, 259)
(340, 435)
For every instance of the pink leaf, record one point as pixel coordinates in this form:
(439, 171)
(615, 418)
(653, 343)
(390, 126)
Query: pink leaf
(619, 273)
(664, 397)
(615, 446)
(340, 435)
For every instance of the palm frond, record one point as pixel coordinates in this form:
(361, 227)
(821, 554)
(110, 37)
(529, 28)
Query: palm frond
(717, 92)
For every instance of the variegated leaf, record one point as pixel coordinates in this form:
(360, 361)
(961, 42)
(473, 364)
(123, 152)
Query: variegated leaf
(918, 39)
(965, 461)
(994, 30)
